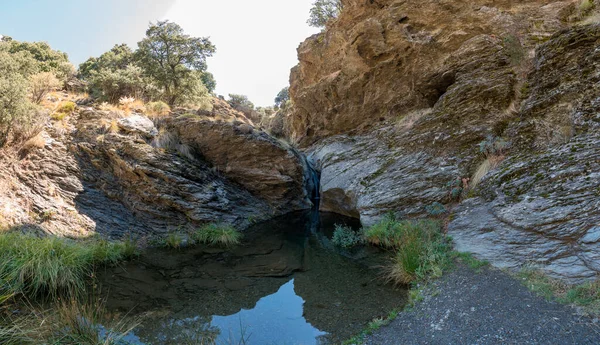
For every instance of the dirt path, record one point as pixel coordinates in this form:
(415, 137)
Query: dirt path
(489, 307)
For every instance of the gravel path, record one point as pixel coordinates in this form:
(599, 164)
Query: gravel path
(489, 307)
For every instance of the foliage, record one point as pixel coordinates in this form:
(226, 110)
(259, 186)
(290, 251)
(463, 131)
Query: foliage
(240, 102)
(45, 58)
(52, 265)
(323, 11)
(70, 322)
(111, 85)
(282, 97)
(455, 187)
(174, 60)
(586, 5)
(435, 209)
(217, 234)
(66, 107)
(345, 236)
(119, 57)
(41, 84)
(114, 75)
(421, 248)
(208, 79)
(15, 107)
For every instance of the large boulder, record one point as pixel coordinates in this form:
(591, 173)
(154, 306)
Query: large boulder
(268, 168)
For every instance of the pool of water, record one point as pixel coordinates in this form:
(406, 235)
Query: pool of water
(286, 284)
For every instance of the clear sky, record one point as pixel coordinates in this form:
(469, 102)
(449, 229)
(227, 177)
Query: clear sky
(256, 40)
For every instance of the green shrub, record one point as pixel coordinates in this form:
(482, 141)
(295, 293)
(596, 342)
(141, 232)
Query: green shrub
(217, 234)
(345, 236)
(66, 107)
(421, 248)
(157, 109)
(15, 108)
(435, 209)
(34, 265)
(586, 5)
(58, 116)
(112, 85)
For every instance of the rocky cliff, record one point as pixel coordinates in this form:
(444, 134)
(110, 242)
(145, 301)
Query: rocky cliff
(102, 171)
(404, 105)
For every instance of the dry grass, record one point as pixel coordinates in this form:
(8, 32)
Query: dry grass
(169, 141)
(36, 142)
(157, 109)
(113, 110)
(109, 126)
(486, 166)
(69, 322)
(130, 104)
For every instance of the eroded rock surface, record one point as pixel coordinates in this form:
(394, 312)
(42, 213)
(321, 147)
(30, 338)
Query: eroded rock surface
(383, 59)
(101, 172)
(542, 204)
(394, 98)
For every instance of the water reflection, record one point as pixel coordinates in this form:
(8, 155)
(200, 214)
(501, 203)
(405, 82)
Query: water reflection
(286, 285)
(276, 319)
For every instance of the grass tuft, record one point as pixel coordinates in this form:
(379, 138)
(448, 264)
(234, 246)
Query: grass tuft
(217, 234)
(421, 249)
(174, 240)
(51, 265)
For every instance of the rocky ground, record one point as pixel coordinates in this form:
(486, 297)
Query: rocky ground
(489, 307)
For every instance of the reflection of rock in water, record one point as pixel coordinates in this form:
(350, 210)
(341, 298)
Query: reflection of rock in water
(342, 295)
(175, 288)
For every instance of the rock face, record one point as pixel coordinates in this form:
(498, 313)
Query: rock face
(366, 177)
(542, 204)
(397, 104)
(98, 172)
(267, 168)
(383, 59)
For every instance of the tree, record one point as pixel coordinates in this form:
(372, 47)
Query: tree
(239, 102)
(114, 75)
(282, 97)
(119, 57)
(170, 57)
(15, 108)
(323, 11)
(47, 59)
(208, 79)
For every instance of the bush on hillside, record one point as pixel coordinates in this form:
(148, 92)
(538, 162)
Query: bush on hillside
(41, 84)
(16, 111)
